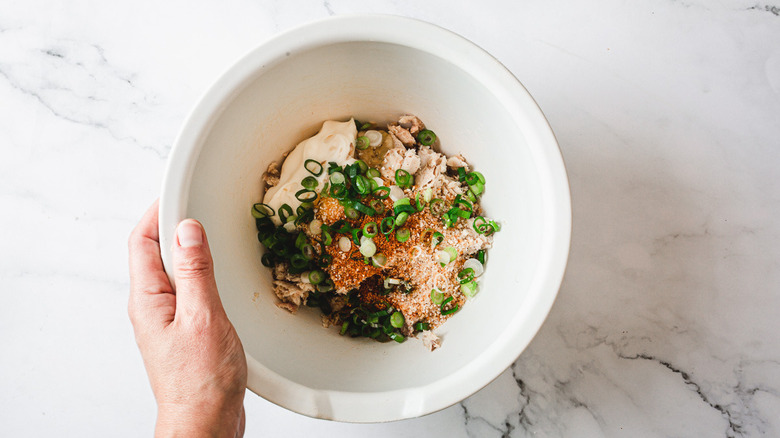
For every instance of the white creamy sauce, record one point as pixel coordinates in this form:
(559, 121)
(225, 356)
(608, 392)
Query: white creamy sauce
(334, 142)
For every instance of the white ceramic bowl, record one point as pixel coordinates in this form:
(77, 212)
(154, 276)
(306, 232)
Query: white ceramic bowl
(373, 68)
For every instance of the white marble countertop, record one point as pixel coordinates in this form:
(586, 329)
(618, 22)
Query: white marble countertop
(668, 116)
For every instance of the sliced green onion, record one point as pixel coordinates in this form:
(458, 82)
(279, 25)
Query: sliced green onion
(379, 260)
(403, 178)
(362, 184)
(261, 210)
(362, 166)
(400, 202)
(469, 289)
(362, 142)
(368, 248)
(462, 174)
(452, 252)
(316, 277)
(313, 166)
(401, 218)
(363, 208)
(377, 205)
(436, 239)
(450, 311)
(437, 207)
(298, 261)
(373, 173)
(370, 229)
(420, 205)
(337, 178)
(306, 195)
(427, 194)
(456, 212)
(352, 170)
(267, 260)
(300, 241)
(338, 191)
(466, 275)
(426, 137)
(355, 235)
(387, 225)
(381, 192)
(483, 226)
(326, 238)
(397, 320)
(351, 213)
(308, 251)
(437, 297)
(326, 286)
(402, 235)
(344, 327)
(421, 326)
(333, 167)
(285, 211)
(481, 256)
(309, 182)
(403, 208)
(477, 188)
(396, 337)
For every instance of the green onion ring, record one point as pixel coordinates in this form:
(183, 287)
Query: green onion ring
(466, 275)
(309, 182)
(285, 211)
(362, 185)
(261, 210)
(267, 260)
(403, 178)
(298, 261)
(337, 178)
(316, 277)
(351, 213)
(426, 137)
(385, 192)
(370, 229)
(338, 191)
(437, 206)
(377, 205)
(301, 195)
(402, 235)
(387, 225)
(362, 142)
(362, 166)
(397, 319)
(401, 218)
(437, 297)
(313, 166)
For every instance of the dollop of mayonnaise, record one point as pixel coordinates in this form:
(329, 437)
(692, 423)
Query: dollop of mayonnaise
(335, 142)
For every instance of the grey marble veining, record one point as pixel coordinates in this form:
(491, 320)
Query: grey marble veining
(668, 117)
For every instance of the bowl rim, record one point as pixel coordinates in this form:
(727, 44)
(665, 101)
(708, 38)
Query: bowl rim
(462, 53)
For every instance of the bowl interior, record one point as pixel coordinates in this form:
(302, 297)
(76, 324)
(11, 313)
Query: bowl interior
(286, 101)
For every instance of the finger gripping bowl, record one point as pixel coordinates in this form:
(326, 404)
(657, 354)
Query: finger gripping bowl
(373, 68)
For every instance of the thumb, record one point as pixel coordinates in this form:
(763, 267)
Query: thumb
(193, 269)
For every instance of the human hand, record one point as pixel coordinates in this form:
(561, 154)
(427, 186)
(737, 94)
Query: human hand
(192, 354)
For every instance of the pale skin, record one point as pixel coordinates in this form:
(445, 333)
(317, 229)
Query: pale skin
(192, 354)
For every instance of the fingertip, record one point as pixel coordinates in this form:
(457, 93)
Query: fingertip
(189, 234)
